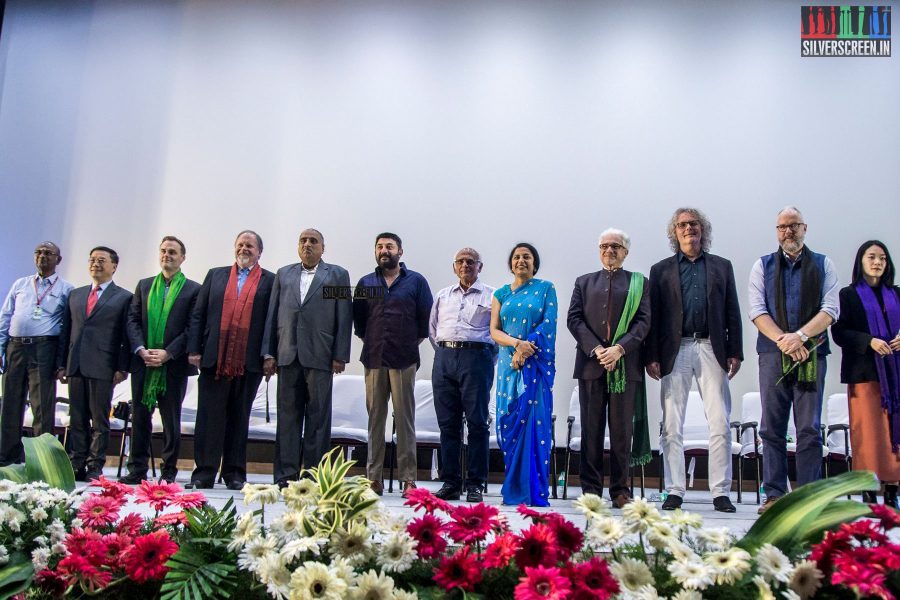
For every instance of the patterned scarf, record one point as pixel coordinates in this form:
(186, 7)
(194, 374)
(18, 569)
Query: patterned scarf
(235, 326)
(159, 303)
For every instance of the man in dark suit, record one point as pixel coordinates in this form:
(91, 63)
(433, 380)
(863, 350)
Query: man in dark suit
(157, 335)
(695, 334)
(609, 316)
(225, 342)
(95, 356)
(307, 340)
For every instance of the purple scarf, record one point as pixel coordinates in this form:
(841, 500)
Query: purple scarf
(888, 367)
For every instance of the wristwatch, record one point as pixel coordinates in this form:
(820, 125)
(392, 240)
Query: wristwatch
(803, 337)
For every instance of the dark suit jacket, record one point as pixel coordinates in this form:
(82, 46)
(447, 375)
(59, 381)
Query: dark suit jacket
(203, 333)
(851, 333)
(587, 322)
(96, 346)
(175, 335)
(723, 312)
(317, 331)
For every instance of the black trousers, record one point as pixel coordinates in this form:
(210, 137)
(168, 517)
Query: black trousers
(599, 407)
(89, 404)
(304, 406)
(169, 406)
(223, 418)
(30, 376)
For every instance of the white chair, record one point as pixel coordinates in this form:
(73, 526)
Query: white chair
(837, 427)
(428, 432)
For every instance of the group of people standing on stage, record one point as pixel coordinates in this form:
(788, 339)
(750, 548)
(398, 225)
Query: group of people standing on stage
(245, 323)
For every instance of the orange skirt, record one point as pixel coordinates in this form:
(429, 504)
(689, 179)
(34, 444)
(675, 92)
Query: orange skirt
(870, 435)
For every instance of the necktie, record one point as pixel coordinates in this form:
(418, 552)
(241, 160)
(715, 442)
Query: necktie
(92, 299)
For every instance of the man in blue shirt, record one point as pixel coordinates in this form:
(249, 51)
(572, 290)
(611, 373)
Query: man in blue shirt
(30, 324)
(391, 309)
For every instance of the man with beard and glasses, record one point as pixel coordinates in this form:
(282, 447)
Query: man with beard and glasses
(391, 310)
(225, 343)
(30, 325)
(793, 296)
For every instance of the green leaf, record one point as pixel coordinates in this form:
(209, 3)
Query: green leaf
(16, 575)
(46, 460)
(193, 575)
(791, 519)
(15, 473)
(839, 511)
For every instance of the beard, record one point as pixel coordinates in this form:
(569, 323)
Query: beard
(243, 261)
(793, 246)
(388, 261)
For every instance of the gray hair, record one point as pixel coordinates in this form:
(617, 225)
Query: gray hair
(468, 250)
(705, 226)
(790, 209)
(626, 240)
(254, 234)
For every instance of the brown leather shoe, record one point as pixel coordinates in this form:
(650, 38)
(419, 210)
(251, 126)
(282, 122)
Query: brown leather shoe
(408, 485)
(377, 487)
(770, 500)
(621, 500)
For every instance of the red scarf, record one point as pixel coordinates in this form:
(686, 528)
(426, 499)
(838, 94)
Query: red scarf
(235, 326)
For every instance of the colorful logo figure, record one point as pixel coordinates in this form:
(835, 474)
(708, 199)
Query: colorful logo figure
(845, 30)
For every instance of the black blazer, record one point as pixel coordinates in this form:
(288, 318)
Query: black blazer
(206, 318)
(587, 322)
(96, 346)
(851, 333)
(723, 312)
(175, 335)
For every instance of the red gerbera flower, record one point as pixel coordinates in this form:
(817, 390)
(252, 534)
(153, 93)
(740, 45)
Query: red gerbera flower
(833, 543)
(157, 495)
(537, 546)
(427, 530)
(116, 546)
(861, 578)
(130, 525)
(99, 511)
(422, 498)
(889, 517)
(112, 489)
(52, 582)
(472, 523)
(500, 552)
(569, 538)
(86, 544)
(458, 571)
(542, 583)
(530, 513)
(865, 530)
(191, 500)
(77, 569)
(178, 518)
(887, 556)
(592, 579)
(146, 559)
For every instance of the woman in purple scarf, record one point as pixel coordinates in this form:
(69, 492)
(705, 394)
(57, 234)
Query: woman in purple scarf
(869, 333)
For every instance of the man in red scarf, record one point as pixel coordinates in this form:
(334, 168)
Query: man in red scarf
(224, 342)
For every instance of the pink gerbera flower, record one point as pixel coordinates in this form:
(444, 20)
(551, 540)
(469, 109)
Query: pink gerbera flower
(99, 511)
(427, 530)
(537, 547)
(130, 525)
(177, 518)
(422, 498)
(76, 569)
(146, 559)
(116, 546)
(862, 579)
(543, 583)
(191, 500)
(113, 489)
(472, 523)
(157, 495)
(889, 517)
(87, 544)
(530, 513)
(501, 551)
(460, 570)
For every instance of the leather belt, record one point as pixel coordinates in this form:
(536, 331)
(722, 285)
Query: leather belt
(697, 335)
(457, 345)
(34, 339)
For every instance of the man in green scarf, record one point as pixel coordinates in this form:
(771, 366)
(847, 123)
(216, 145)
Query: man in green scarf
(157, 332)
(609, 316)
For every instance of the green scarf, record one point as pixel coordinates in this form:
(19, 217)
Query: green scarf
(806, 371)
(615, 380)
(159, 303)
(640, 439)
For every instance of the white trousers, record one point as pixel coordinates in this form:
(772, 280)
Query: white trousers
(696, 360)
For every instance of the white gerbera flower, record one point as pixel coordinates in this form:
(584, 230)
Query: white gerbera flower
(661, 535)
(315, 580)
(682, 552)
(344, 569)
(688, 595)
(404, 595)
(264, 493)
(398, 553)
(592, 506)
(631, 574)
(684, 521)
(245, 531)
(789, 594)
(604, 532)
(773, 565)
(807, 579)
(254, 551)
(301, 493)
(639, 514)
(728, 565)
(354, 543)
(373, 586)
(273, 573)
(714, 538)
(646, 592)
(763, 589)
(297, 548)
(692, 574)
(288, 526)
(387, 522)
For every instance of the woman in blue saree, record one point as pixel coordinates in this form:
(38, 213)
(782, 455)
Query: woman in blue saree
(523, 323)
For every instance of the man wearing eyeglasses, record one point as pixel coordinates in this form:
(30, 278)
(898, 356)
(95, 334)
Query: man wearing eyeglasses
(695, 334)
(30, 325)
(609, 316)
(459, 330)
(96, 359)
(793, 295)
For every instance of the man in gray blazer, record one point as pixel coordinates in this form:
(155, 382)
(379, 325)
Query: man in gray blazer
(307, 339)
(95, 356)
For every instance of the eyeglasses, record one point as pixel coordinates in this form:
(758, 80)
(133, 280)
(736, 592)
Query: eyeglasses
(795, 227)
(97, 261)
(613, 247)
(45, 253)
(685, 224)
(465, 261)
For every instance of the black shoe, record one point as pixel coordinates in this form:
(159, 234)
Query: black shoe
(723, 504)
(869, 498)
(80, 474)
(133, 478)
(473, 494)
(199, 485)
(448, 492)
(672, 502)
(235, 485)
(282, 483)
(92, 474)
(168, 476)
(890, 496)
